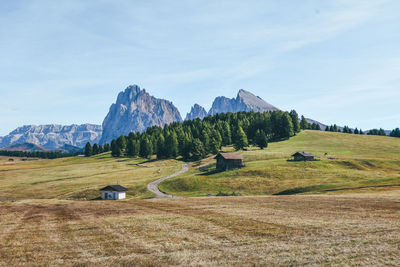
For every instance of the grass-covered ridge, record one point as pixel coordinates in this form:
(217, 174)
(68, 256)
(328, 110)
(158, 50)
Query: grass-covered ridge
(353, 163)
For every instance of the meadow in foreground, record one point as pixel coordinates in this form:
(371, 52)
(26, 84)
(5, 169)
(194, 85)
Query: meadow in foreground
(351, 229)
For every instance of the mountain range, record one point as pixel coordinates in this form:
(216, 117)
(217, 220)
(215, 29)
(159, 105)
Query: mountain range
(133, 111)
(53, 136)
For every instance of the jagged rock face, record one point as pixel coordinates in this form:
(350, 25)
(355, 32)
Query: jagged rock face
(134, 111)
(53, 136)
(196, 111)
(245, 101)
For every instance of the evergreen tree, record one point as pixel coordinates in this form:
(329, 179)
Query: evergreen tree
(395, 132)
(171, 145)
(197, 149)
(106, 147)
(95, 149)
(327, 129)
(88, 150)
(287, 126)
(303, 123)
(146, 148)
(131, 148)
(115, 149)
(295, 121)
(226, 134)
(121, 142)
(160, 147)
(261, 139)
(101, 149)
(240, 141)
(356, 131)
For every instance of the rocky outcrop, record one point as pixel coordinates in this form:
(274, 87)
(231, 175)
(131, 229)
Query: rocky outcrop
(134, 111)
(196, 111)
(245, 101)
(53, 136)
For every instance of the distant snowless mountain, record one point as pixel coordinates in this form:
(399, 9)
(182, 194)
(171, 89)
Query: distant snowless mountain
(52, 136)
(134, 111)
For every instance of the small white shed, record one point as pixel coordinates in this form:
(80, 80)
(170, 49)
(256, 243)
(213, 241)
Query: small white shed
(113, 192)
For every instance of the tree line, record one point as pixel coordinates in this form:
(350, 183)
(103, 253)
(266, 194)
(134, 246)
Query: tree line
(35, 154)
(195, 139)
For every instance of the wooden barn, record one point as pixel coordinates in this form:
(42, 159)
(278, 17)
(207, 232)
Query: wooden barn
(113, 192)
(303, 156)
(229, 161)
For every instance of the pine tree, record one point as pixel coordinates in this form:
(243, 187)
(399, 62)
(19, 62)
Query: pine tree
(395, 132)
(261, 139)
(171, 145)
(287, 126)
(115, 149)
(106, 147)
(303, 123)
(356, 131)
(130, 148)
(160, 147)
(121, 142)
(240, 141)
(88, 150)
(146, 148)
(226, 134)
(95, 149)
(295, 121)
(197, 149)
(101, 149)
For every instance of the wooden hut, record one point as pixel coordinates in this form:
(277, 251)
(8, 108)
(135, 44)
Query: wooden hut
(303, 156)
(113, 192)
(229, 161)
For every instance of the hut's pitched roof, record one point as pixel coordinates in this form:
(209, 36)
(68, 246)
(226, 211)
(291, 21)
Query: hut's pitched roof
(304, 154)
(115, 187)
(229, 156)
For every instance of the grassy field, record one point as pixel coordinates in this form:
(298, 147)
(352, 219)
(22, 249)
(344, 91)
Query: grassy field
(354, 163)
(351, 229)
(79, 178)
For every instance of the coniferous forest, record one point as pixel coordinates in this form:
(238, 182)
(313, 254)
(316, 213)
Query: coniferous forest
(195, 139)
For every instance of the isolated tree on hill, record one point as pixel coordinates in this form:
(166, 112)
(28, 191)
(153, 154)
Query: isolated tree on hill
(88, 150)
(115, 149)
(95, 149)
(240, 141)
(261, 139)
(197, 150)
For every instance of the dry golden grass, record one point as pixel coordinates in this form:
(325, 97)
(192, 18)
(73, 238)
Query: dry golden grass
(353, 229)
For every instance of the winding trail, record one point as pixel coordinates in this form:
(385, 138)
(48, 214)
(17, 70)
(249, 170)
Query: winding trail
(153, 186)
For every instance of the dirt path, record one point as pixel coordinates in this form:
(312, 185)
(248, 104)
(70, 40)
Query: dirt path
(153, 186)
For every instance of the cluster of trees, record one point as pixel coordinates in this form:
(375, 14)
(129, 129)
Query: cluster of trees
(95, 149)
(305, 125)
(194, 139)
(395, 133)
(35, 154)
(377, 132)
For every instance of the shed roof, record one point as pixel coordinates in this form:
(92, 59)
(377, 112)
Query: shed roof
(304, 154)
(115, 187)
(229, 156)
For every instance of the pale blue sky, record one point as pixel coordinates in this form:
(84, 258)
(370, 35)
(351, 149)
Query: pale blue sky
(334, 61)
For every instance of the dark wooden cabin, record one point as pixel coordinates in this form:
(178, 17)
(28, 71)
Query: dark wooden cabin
(229, 161)
(303, 156)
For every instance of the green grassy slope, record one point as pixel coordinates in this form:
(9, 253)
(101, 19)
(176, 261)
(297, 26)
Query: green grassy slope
(79, 178)
(358, 162)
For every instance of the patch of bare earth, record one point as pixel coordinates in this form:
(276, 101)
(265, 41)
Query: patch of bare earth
(283, 230)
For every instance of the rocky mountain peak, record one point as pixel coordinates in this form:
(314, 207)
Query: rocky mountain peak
(134, 111)
(244, 101)
(196, 111)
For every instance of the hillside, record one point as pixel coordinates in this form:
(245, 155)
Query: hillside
(23, 147)
(78, 177)
(354, 162)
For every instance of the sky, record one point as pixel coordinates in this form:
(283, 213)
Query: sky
(335, 61)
